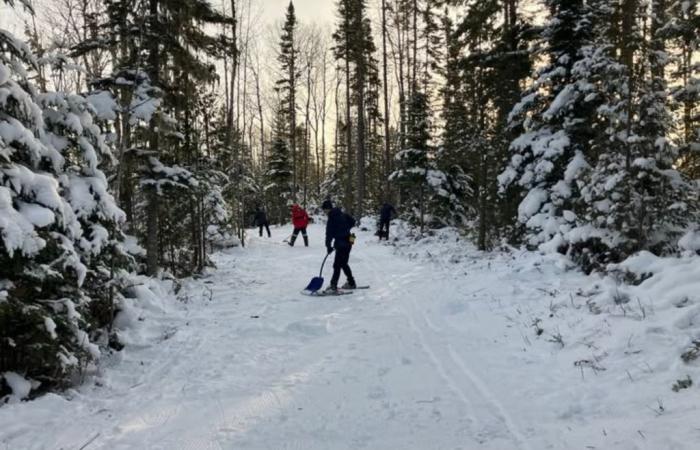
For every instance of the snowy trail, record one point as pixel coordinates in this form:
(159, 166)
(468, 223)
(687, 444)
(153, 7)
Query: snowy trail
(436, 355)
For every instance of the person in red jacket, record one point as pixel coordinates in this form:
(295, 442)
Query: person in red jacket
(300, 220)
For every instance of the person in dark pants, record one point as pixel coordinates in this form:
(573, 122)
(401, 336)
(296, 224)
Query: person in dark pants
(338, 234)
(261, 221)
(300, 220)
(385, 215)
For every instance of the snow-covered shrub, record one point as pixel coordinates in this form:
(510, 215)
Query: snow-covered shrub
(215, 210)
(690, 242)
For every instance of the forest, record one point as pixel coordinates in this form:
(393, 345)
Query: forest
(138, 136)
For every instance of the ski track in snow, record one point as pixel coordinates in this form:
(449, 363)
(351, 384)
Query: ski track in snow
(465, 383)
(434, 355)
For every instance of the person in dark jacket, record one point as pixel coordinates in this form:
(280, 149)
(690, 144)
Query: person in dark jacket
(300, 220)
(386, 213)
(261, 221)
(338, 238)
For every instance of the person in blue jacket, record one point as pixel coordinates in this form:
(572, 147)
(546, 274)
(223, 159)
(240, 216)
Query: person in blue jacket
(338, 238)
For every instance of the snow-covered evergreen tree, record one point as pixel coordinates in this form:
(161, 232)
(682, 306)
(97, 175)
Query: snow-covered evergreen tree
(682, 30)
(451, 158)
(288, 84)
(278, 177)
(416, 176)
(633, 197)
(595, 159)
(60, 232)
(557, 115)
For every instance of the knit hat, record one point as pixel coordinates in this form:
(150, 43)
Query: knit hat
(327, 205)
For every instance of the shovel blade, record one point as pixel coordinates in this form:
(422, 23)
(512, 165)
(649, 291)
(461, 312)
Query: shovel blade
(315, 284)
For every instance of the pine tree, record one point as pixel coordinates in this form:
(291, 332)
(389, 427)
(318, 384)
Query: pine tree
(354, 46)
(278, 188)
(342, 51)
(288, 59)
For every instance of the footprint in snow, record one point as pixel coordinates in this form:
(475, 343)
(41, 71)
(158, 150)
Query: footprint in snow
(376, 393)
(383, 371)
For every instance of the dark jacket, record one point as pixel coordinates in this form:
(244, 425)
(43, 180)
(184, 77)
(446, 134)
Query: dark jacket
(338, 228)
(260, 218)
(387, 212)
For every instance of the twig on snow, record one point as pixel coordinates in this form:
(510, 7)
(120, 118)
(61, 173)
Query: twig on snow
(90, 441)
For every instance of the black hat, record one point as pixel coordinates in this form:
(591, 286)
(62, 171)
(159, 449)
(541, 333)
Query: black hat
(327, 205)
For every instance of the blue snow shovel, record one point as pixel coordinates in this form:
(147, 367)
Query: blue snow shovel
(317, 282)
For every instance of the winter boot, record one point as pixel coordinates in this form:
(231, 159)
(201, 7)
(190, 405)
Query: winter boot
(306, 241)
(291, 240)
(350, 284)
(331, 290)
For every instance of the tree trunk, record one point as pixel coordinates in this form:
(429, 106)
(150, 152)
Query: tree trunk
(402, 85)
(307, 143)
(414, 78)
(628, 11)
(337, 121)
(152, 235)
(387, 149)
(234, 69)
(361, 138)
(348, 128)
(293, 115)
(324, 110)
(260, 114)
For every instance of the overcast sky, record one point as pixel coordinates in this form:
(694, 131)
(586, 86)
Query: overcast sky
(318, 11)
(308, 11)
(8, 18)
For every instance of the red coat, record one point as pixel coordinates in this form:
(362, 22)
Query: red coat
(300, 219)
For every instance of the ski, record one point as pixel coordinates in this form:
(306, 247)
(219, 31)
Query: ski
(326, 294)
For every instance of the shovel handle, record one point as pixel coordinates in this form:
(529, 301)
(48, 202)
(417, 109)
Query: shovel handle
(320, 274)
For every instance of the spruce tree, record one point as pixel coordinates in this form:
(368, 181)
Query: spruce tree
(634, 198)
(342, 51)
(413, 174)
(156, 79)
(489, 52)
(555, 114)
(451, 157)
(355, 46)
(287, 84)
(61, 242)
(682, 29)
(278, 177)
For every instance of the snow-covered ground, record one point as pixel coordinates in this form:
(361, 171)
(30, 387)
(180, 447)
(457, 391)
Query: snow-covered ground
(449, 349)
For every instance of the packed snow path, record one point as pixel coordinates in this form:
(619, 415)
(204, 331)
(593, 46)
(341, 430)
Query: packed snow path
(436, 355)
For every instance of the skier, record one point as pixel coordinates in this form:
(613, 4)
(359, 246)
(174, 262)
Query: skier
(338, 233)
(386, 213)
(300, 220)
(261, 221)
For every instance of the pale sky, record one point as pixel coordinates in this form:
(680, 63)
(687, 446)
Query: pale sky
(8, 18)
(308, 11)
(318, 11)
